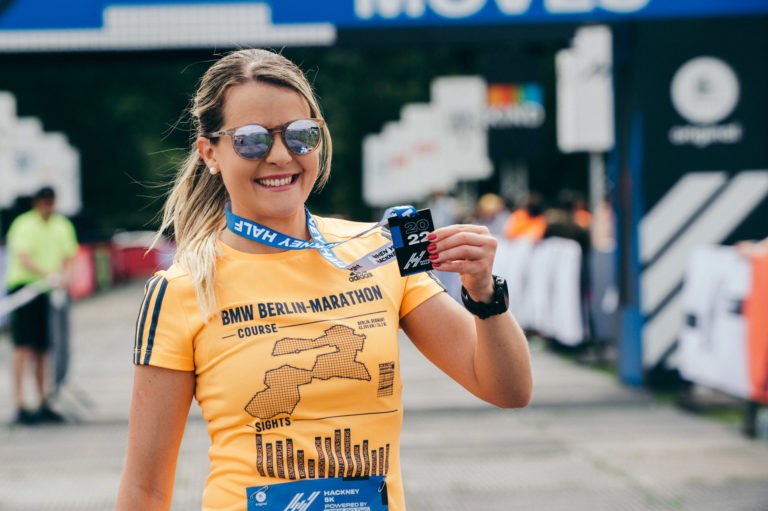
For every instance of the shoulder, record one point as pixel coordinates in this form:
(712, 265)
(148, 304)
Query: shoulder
(24, 218)
(176, 273)
(20, 227)
(61, 219)
(171, 290)
(175, 280)
(63, 223)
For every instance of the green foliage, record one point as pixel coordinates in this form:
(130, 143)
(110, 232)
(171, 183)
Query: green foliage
(125, 114)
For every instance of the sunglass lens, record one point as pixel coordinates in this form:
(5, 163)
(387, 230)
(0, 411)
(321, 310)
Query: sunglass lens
(302, 137)
(252, 142)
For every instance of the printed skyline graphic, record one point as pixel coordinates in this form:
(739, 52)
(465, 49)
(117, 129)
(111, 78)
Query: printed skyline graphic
(336, 457)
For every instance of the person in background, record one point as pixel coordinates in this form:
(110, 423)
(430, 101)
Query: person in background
(581, 214)
(562, 223)
(528, 220)
(563, 220)
(41, 246)
(602, 226)
(752, 248)
(444, 208)
(491, 212)
(292, 358)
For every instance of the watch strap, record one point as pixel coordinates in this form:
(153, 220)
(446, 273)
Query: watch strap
(498, 304)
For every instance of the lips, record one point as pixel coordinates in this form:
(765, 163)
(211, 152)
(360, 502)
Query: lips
(274, 182)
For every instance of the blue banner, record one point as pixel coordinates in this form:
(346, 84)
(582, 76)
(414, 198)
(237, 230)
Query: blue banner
(57, 14)
(392, 13)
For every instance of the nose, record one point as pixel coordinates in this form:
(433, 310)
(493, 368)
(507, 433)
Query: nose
(279, 154)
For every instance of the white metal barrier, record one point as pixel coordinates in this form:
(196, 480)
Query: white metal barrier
(544, 280)
(723, 344)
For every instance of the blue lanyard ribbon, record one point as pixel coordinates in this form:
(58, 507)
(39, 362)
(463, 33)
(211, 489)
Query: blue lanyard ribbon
(261, 234)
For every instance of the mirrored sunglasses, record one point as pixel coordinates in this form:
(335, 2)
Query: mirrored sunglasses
(254, 141)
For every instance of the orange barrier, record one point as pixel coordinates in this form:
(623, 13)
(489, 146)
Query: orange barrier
(84, 276)
(723, 344)
(756, 312)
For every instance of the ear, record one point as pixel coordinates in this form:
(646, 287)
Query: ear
(207, 151)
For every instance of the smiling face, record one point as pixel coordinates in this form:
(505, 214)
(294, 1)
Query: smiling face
(271, 190)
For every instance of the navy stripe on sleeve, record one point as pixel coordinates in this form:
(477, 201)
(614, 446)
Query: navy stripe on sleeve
(150, 289)
(155, 317)
(140, 315)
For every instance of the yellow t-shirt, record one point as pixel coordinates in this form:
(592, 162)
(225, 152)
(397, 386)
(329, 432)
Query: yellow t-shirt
(298, 375)
(48, 242)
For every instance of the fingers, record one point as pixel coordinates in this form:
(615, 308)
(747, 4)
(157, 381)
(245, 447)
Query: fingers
(465, 249)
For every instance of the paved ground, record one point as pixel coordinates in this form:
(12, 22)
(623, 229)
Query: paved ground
(585, 443)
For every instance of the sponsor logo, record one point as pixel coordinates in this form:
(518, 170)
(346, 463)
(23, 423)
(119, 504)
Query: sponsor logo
(355, 276)
(299, 503)
(515, 105)
(705, 91)
(259, 496)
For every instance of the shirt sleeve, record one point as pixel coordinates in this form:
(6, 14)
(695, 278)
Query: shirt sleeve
(71, 239)
(15, 239)
(419, 287)
(163, 336)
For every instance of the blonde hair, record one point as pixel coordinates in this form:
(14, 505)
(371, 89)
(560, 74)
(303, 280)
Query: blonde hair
(194, 208)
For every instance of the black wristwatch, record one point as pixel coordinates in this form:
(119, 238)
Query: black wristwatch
(499, 302)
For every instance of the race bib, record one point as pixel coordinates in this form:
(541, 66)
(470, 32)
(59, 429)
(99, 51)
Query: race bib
(330, 494)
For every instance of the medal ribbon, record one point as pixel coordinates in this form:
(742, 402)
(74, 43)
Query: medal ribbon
(254, 231)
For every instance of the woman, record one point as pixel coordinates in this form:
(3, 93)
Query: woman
(293, 360)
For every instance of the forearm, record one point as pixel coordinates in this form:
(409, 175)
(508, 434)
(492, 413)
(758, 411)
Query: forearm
(488, 357)
(502, 362)
(29, 264)
(68, 270)
(159, 408)
(150, 469)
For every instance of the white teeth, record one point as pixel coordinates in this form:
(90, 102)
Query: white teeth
(275, 182)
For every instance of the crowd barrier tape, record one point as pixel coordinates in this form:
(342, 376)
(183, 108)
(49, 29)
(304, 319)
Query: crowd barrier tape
(723, 344)
(26, 294)
(57, 318)
(545, 293)
(97, 266)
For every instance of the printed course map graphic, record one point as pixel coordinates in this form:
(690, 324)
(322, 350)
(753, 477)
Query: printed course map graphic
(283, 384)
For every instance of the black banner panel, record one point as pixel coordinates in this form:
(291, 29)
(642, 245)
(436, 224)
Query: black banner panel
(696, 158)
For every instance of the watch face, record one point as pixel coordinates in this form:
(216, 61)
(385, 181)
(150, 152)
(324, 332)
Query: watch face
(501, 284)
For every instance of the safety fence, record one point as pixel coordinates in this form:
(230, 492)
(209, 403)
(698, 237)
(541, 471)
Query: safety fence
(560, 293)
(724, 342)
(557, 291)
(98, 267)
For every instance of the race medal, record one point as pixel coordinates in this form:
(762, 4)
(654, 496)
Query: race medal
(409, 237)
(359, 494)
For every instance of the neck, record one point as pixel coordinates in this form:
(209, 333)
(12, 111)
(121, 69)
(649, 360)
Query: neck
(44, 214)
